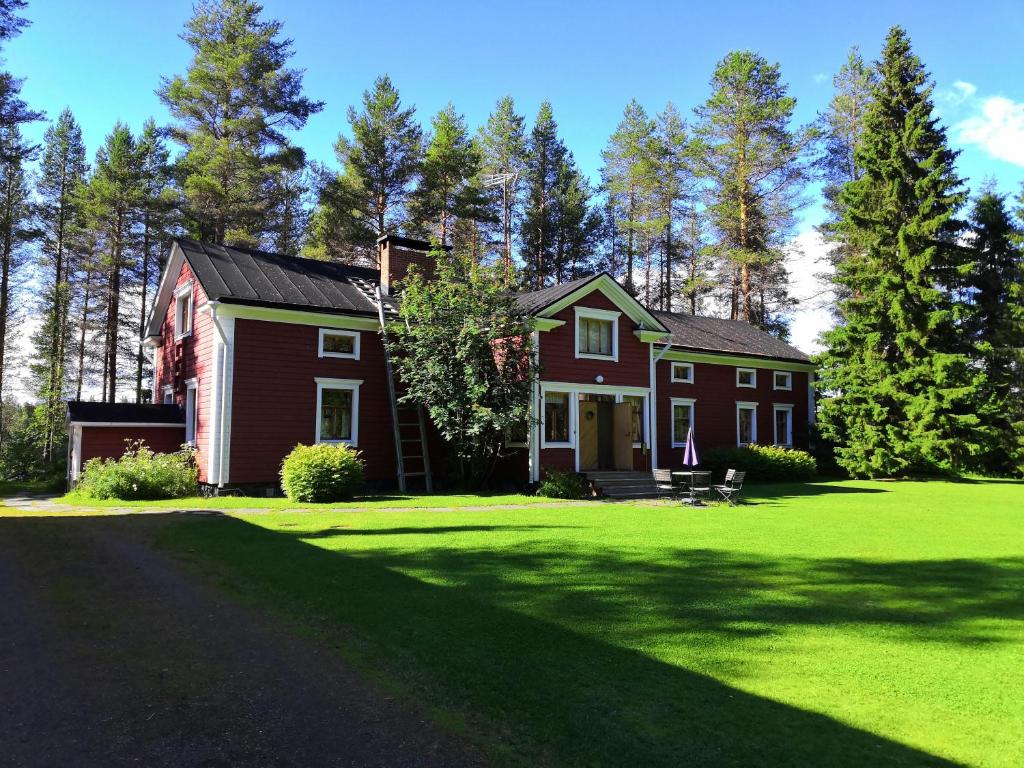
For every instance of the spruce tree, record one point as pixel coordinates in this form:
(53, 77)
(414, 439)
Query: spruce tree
(674, 189)
(996, 326)
(59, 188)
(502, 143)
(14, 112)
(367, 198)
(577, 225)
(900, 388)
(754, 162)
(545, 156)
(232, 111)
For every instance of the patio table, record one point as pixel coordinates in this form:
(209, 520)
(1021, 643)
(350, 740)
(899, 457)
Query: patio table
(698, 482)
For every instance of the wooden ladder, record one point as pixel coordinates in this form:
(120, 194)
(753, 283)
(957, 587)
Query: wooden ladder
(404, 419)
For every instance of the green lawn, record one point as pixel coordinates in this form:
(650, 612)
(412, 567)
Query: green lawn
(379, 501)
(854, 623)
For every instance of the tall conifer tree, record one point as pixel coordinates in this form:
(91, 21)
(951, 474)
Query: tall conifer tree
(901, 390)
(546, 154)
(502, 143)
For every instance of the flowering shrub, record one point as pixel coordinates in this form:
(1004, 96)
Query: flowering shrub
(140, 474)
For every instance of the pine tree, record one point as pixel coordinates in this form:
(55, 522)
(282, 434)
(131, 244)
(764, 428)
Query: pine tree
(673, 195)
(367, 198)
(900, 385)
(17, 229)
(61, 177)
(449, 185)
(842, 125)
(996, 327)
(502, 145)
(577, 225)
(693, 274)
(546, 154)
(629, 175)
(754, 163)
(232, 110)
(14, 111)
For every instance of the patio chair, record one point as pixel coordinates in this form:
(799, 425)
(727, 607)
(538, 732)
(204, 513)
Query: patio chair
(730, 489)
(665, 483)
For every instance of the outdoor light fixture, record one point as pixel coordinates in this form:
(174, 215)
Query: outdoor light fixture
(599, 378)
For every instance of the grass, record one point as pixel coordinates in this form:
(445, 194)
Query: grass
(389, 501)
(850, 623)
(17, 487)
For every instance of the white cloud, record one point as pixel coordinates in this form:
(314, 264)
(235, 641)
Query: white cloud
(808, 265)
(998, 129)
(963, 91)
(820, 78)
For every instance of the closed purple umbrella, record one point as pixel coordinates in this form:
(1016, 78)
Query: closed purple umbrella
(690, 458)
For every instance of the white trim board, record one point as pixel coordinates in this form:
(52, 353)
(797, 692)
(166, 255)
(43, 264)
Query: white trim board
(616, 294)
(127, 424)
(351, 385)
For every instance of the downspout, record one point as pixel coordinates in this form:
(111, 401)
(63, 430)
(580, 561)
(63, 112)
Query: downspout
(221, 381)
(654, 400)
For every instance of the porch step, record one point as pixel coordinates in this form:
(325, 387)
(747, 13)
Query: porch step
(624, 485)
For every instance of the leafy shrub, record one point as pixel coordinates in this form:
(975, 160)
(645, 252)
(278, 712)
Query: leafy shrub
(763, 463)
(563, 485)
(140, 474)
(321, 473)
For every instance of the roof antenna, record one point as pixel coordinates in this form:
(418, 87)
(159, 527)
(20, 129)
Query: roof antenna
(504, 180)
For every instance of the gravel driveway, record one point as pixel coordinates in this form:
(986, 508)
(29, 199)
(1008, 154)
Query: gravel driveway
(111, 654)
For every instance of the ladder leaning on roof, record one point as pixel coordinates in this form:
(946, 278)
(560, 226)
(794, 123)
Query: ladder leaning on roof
(412, 415)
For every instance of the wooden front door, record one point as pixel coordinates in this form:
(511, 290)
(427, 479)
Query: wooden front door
(623, 436)
(588, 436)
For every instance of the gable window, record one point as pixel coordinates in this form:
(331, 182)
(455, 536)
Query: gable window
(334, 343)
(556, 418)
(168, 396)
(746, 423)
(746, 377)
(636, 411)
(191, 411)
(682, 420)
(682, 373)
(597, 333)
(783, 419)
(782, 380)
(183, 311)
(337, 411)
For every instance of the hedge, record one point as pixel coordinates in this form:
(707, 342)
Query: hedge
(762, 463)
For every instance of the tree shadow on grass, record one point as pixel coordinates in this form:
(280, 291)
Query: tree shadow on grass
(755, 494)
(538, 692)
(339, 530)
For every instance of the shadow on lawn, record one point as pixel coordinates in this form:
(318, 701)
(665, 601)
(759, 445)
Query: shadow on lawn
(340, 530)
(542, 693)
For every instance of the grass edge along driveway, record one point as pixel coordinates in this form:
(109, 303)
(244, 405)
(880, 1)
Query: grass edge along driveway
(848, 623)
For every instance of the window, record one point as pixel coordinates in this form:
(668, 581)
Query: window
(344, 344)
(746, 423)
(597, 332)
(191, 411)
(782, 380)
(337, 409)
(556, 417)
(682, 373)
(636, 408)
(784, 425)
(183, 311)
(746, 377)
(168, 396)
(682, 420)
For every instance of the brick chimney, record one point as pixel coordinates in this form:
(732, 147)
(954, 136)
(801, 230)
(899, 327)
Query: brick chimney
(396, 254)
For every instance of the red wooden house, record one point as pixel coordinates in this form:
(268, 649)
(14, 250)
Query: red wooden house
(255, 352)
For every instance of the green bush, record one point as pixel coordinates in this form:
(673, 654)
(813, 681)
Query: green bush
(321, 473)
(763, 463)
(563, 485)
(140, 474)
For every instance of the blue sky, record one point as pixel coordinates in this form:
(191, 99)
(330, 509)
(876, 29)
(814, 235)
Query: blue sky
(105, 58)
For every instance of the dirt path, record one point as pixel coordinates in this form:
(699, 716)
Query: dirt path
(111, 655)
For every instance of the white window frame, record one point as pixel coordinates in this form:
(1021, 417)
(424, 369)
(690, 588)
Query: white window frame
(644, 414)
(192, 412)
(354, 335)
(184, 292)
(751, 406)
(573, 399)
(168, 395)
(597, 314)
(353, 386)
(789, 381)
(785, 408)
(677, 380)
(685, 402)
(753, 378)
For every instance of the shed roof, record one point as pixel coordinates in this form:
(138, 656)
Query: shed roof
(80, 411)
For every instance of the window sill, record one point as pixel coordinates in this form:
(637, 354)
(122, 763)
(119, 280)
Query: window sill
(591, 356)
(557, 445)
(336, 442)
(339, 355)
(182, 336)
(746, 386)
(782, 389)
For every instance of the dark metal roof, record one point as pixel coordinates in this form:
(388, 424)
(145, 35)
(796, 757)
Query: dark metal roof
(712, 334)
(247, 276)
(125, 413)
(535, 301)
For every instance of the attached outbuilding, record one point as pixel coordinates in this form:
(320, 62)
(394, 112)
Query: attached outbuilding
(105, 430)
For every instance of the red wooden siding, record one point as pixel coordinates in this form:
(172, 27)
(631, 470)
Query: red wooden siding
(273, 402)
(714, 417)
(110, 442)
(195, 353)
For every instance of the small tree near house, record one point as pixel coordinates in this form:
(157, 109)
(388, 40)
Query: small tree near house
(462, 349)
